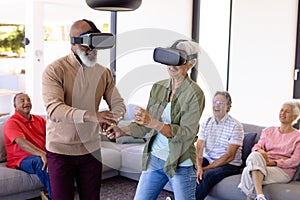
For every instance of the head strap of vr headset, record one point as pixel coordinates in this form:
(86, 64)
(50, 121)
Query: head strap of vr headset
(177, 42)
(94, 29)
(189, 57)
(93, 26)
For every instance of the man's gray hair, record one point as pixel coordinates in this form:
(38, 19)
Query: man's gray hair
(226, 95)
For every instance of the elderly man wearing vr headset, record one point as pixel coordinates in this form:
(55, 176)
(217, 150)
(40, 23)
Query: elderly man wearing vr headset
(73, 87)
(172, 119)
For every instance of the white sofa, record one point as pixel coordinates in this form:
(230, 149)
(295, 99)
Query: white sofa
(117, 160)
(125, 160)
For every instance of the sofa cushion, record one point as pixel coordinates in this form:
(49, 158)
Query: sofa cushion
(132, 158)
(248, 142)
(297, 174)
(2, 145)
(111, 159)
(129, 140)
(227, 188)
(282, 191)
(251, 128)
(15, 181)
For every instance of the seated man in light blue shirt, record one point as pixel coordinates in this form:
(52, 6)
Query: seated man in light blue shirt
(218, 146)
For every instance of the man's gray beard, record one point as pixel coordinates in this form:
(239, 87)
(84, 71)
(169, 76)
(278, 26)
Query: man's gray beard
(88, 59)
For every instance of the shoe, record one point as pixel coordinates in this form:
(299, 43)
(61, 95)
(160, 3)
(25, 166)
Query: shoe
(44, 196)
(260, 197)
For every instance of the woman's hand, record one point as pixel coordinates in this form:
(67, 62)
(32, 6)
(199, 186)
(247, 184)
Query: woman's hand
(142, 117)
(264, 154)
(272, 163)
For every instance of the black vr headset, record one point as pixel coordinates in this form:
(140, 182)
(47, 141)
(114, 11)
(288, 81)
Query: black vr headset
(94, 39)
(172, 56)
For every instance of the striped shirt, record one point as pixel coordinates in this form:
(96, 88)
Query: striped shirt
(217, 136)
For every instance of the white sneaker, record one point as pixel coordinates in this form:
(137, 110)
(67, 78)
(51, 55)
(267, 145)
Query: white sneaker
(260, 197)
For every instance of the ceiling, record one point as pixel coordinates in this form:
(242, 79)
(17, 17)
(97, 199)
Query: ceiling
(55, 11)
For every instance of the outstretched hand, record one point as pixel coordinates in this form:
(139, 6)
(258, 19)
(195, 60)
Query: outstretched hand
(108, 118)
(142, 117)
(114, 131)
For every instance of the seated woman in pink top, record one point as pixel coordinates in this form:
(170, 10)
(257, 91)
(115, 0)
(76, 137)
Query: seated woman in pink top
(274, 159)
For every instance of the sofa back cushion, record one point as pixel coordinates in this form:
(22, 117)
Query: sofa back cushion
(297, 174)
(252, 135)
(2, 145)
(251, 128)
(248, 142)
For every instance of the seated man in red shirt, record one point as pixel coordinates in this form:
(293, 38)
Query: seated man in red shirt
(24, 136)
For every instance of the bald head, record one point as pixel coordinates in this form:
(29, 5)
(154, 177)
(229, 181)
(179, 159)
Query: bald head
(79, 27)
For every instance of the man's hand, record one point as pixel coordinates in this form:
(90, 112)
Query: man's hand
(44, 159)
(114, 131)
(32, 149)
(199, 174)
(108, 118)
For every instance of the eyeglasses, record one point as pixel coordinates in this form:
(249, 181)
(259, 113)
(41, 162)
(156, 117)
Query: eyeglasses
(221, 103)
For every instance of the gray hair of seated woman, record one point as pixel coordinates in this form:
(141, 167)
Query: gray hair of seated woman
(295, 108)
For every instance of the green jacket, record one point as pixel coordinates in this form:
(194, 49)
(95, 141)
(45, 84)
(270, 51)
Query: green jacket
(186, 109)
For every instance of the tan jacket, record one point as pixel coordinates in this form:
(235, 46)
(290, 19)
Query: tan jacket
(69, 90)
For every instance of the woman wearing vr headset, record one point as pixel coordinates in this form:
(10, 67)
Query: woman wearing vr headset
(172, 119)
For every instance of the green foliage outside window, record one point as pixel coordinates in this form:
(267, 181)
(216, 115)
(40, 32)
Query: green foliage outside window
(13, 41)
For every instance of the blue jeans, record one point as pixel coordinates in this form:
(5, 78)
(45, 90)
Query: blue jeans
(213, 176)
(154, 179)
(33, 165)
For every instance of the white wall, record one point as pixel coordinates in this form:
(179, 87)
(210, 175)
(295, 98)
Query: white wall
(262, 54)
(262, 50)
(39, 54)
(155, 23)
(262, 58)
(213, 39)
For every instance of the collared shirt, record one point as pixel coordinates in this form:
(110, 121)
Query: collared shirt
(69, 90)
(186, 109)
(218, 136)
(34, 130)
